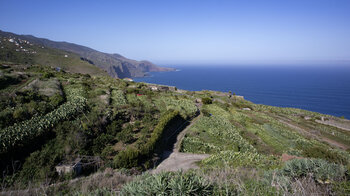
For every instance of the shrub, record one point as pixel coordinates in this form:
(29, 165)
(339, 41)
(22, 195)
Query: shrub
(56, 100)
(205, 112)
(132, 157)
(125, 135)
(323, 153)
(108, 151)
(341, 188)
(169, 183)
(39, 165)
(115, 127)
(207, 100)
(101, 141)
(6, 117)
(20, 113)
(47, 75)
(321, 169)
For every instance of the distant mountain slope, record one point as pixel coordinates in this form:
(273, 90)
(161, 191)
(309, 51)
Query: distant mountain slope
(114, 64)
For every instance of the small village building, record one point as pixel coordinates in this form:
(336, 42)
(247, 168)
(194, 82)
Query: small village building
(154, 88)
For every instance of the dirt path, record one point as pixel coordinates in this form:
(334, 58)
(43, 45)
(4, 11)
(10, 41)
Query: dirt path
(179, 161)
(344, 124)
(310, 134)
(175, 160)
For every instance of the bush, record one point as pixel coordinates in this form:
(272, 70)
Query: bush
(20, 113)
(132, 157)
(101, 142)
(125, 135)
(205, 112)
(114, 127)
(40, 164)
(56, 100)
(108, 151)
(8, 80)
(207, 100)
(323, 153)
(169, 183)
(321, 169)
(6, 117)
(47, 75)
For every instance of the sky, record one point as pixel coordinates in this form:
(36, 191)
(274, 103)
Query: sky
(192, 31)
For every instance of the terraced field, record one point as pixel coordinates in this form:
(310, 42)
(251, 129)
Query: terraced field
(269, 131)
(232, 146)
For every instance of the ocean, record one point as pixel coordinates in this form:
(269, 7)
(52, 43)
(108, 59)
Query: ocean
(317, 88)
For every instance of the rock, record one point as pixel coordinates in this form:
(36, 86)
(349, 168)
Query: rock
(48, 88)
(238, 97)
(307, 118)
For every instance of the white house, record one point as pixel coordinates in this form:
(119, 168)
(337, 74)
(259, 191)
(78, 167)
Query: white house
(154, 88)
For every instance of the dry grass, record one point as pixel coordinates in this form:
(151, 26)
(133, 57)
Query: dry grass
(308, 187)
(253, 182)
(108, 179)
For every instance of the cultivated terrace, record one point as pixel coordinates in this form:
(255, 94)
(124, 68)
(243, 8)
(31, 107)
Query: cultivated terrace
(90, 134)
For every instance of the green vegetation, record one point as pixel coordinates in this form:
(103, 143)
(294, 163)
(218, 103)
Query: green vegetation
(24, 49)
(50, 117)
(207, 100)
(185, 106)
(25, 131)
(215, 134)
(169, 184)
(132, 157)
(322, 170)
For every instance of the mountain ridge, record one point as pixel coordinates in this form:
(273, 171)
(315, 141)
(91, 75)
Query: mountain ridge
(114, 64)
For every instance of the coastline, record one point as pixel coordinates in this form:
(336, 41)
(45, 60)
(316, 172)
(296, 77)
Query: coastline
(315, 90)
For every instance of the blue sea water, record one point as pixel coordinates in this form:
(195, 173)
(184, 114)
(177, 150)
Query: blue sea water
(320, 89)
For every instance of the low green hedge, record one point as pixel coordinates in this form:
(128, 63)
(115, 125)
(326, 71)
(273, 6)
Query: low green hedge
(132, 157)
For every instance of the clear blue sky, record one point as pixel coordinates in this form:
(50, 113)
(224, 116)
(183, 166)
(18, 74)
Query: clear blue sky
(191, 31)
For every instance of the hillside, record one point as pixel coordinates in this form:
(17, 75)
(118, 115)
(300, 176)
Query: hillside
(72, 133)
(114, 64)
